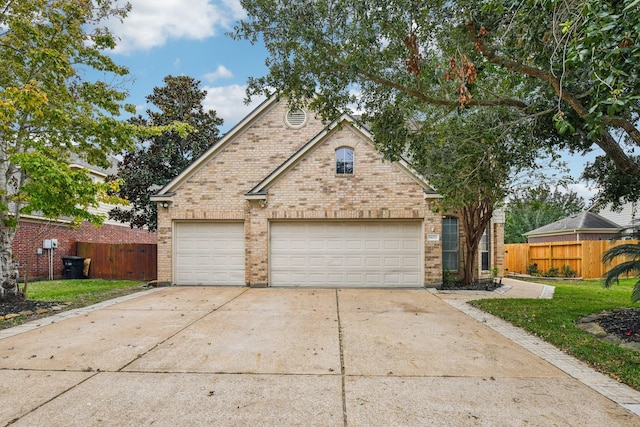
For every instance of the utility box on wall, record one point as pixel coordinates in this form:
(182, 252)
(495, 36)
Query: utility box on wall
(50, 244)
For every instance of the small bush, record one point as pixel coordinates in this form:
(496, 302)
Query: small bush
(532, 270)
(553, 272)
(568, 271)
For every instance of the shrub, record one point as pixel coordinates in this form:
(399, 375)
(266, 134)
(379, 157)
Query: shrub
(553, 272)
(532, 270)
(568, 271)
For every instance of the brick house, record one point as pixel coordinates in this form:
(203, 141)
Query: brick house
(32, 230)
(283, 200)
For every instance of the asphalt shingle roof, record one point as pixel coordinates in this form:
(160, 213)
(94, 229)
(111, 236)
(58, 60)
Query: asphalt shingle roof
(583, 221)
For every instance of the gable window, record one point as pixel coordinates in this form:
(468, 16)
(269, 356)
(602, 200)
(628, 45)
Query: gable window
(450, 244)
(484, 250)
(344, 161)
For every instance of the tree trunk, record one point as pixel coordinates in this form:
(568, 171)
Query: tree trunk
(8, 273)
(475, 218)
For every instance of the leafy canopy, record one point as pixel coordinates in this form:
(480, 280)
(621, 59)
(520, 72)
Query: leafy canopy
(53, 111)
(157, 159)
(571, 67)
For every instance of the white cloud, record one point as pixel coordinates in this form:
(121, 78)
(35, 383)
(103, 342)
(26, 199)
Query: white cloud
(228, 102)
(152, 22)
(584, 191)
(221, 72)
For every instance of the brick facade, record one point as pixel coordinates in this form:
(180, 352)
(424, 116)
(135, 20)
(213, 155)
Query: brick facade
(308, 188)
(31, 233)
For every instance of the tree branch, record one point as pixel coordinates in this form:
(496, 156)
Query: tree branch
(604, 141)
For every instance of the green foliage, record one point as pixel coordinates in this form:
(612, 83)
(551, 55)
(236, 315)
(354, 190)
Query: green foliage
(160, 157)
(532, 270)
(614, 186)
(52, 113)
(555, 321)
(567, 271)
(534, 207)
(630, 264)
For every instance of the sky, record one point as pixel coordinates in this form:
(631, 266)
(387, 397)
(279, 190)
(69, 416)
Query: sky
(188, 37)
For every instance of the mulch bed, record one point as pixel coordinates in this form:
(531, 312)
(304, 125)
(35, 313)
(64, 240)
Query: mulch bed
(625, 324)
(481, 285)
(15, 307)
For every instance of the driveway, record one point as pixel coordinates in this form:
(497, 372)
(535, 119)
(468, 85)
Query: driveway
(325, 357)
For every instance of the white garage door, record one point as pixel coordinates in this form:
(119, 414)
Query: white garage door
(209, 253)
(346, 254)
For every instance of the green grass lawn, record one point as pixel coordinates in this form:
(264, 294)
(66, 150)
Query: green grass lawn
(555, 322)
(82, 292)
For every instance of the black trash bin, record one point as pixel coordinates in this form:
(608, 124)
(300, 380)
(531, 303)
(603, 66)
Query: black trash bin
(73, 267)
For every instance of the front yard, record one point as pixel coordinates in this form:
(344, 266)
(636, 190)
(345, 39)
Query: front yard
(555, 321)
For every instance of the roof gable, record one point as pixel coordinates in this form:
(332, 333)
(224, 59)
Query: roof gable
(260, 190)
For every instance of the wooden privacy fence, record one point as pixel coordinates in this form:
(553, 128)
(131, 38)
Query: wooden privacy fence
(131, 261)
(583, 257)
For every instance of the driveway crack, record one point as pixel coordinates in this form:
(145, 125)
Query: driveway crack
(342, 370)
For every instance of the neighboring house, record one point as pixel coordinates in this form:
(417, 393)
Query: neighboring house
(28, 250)
(575, 228)
(628, 216)
(282, 200)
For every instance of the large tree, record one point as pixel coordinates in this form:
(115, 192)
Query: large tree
(157, 159)
(570, 65)
(534, 207)
(50, 109)
(470, 157)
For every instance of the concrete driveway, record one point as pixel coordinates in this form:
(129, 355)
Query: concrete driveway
(325, 357)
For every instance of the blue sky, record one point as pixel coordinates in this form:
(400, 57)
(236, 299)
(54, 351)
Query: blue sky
(187, 37)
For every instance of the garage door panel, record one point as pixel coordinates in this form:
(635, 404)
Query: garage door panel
(209, 253)
(351, 254)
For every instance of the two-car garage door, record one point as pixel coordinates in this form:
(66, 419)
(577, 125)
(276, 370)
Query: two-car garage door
(346, 254)
(304, 253)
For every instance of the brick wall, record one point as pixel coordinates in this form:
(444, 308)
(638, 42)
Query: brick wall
(30, 235)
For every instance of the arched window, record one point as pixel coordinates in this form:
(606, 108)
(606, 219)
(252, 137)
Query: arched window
(344, 161)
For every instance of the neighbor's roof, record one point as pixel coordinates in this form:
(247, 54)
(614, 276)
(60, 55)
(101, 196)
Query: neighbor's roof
(583, 222)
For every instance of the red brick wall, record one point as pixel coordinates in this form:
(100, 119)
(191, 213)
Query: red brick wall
(30, 235)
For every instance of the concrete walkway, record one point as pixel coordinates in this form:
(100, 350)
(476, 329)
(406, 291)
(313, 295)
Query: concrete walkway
(326, 357)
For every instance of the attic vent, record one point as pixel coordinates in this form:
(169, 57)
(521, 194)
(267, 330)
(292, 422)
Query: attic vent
(296, 118)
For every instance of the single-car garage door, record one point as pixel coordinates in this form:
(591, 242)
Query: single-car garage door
(346, 254)
(209, 253)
